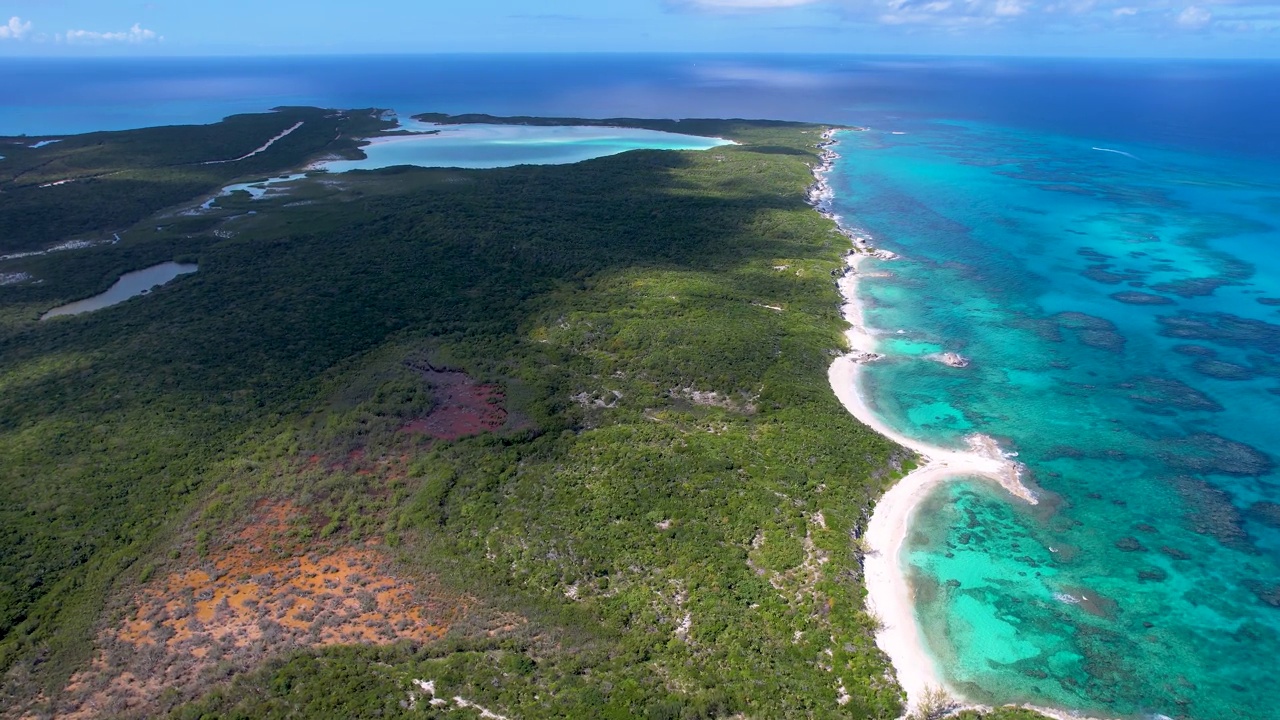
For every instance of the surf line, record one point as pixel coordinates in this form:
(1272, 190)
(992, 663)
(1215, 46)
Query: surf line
(890, 597)
(889, 594)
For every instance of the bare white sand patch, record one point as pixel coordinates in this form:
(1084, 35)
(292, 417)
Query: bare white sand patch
(259, 151)
(712, 398)
(429, 687)
(682, 631)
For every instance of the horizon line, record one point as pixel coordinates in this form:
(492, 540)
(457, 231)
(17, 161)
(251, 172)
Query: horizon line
(625, 53)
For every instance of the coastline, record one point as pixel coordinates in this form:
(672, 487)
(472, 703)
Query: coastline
(889, 593)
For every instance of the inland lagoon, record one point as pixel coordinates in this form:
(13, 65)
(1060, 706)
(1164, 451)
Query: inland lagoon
(495, 146)
(133, 284)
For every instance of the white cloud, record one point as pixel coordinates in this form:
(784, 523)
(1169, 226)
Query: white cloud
(136, 34)
(714, 5)
(739, 74)
(1194, 18)
(752, 3)
(1125, 11)
(15, 29)
(1010, 8)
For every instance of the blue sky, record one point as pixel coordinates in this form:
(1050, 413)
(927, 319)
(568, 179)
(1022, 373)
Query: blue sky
(1183, 28)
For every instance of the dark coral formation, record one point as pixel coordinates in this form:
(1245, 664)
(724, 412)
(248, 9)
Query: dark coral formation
(1269, 301)
(1195, 350)
(1269, 594)
(1102, 273)
(1170, 393)
(1044, 328)
(1082, 321)
(1133, 297)
(1092, 331)
(1223, 328)
(1208, 454)
(1221, 370)
(1062, 451)
(1230, 271)
(1152, 574)
(1267, 513)
(1265, 365)
(1103, 340)
(1130, 544)
(1193, 287)
(1211, 512)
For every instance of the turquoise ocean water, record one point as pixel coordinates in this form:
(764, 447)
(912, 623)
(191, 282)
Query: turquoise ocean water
(1120, 310)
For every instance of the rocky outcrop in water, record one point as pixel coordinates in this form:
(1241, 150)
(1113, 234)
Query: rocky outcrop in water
(866, 357)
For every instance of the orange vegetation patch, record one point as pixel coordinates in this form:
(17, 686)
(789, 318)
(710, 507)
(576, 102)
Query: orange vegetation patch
(261, 593)
(463, 406)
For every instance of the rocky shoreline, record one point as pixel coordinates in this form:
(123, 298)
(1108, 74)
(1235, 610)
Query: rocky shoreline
(820, 196)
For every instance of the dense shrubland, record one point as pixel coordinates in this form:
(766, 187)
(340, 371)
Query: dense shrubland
(670, 515)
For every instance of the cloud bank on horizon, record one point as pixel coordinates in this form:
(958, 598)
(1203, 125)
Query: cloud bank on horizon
(1223, 28)
(1045, 15)
(17, 29)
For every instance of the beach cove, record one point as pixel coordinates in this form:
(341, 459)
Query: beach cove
(889, 594)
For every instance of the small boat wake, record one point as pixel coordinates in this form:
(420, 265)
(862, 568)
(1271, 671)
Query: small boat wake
(1118, 152)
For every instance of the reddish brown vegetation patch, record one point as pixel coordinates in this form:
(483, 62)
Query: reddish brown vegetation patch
(260, 594)
(463, 406)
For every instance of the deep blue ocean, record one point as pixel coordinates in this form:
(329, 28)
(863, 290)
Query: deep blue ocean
(1098, 238)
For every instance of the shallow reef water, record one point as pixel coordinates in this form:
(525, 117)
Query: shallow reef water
(494, 146)
(1117, 308)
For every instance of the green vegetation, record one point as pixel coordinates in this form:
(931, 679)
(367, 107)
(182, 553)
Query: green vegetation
(102, 182)
(671, 553)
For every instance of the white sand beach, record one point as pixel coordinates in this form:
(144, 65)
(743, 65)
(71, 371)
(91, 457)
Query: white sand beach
(889, 594)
